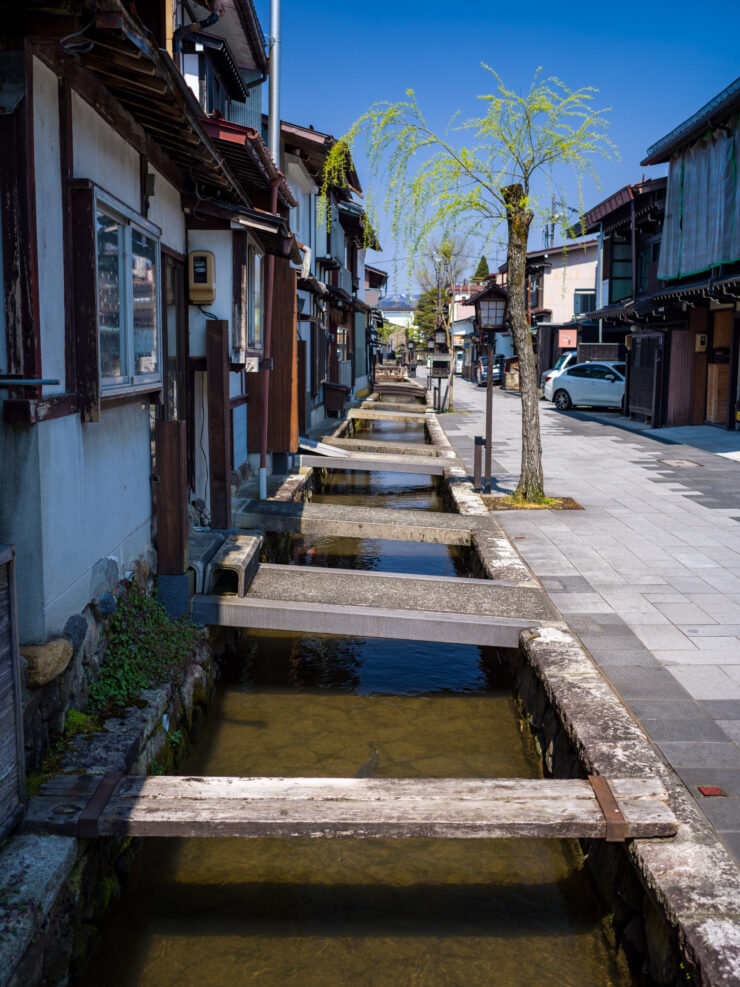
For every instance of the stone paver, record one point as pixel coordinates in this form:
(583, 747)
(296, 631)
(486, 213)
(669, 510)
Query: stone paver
(648, 575)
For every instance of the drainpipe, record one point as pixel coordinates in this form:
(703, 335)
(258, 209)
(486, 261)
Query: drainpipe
(273, 126)
(274, 148)
(269, 286)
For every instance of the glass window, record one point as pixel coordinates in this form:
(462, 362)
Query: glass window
(581, 371)
(110, 254)
(127, 279)
(256, 296)
(144, 279)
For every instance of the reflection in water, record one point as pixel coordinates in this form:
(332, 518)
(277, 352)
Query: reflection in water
(379, 555)
(390, 431)
(401, 490)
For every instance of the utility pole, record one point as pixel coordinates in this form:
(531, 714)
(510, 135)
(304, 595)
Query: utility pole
(273, 130)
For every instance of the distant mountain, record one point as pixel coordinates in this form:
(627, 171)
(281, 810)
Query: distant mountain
(401, 301)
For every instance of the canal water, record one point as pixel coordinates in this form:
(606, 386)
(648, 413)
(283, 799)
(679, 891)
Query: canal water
(363, 912)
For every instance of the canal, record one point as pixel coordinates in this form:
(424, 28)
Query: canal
(376, 912)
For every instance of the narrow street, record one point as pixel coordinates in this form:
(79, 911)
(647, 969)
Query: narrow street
(648, 575)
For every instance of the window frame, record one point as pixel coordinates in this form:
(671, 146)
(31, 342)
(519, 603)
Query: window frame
(130, 382)
(255, 250)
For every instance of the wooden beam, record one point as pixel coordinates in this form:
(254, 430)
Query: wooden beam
(171, 497)
(18, 224)
(447, 808)
(219, 421)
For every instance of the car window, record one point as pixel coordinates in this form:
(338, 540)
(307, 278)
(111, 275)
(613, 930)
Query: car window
(582, 370)
(562, 360)
(621, 367)
(600, 372)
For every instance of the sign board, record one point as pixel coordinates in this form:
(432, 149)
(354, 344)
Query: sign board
(567, 338)
(252, 364)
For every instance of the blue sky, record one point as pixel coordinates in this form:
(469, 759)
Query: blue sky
(654, 63)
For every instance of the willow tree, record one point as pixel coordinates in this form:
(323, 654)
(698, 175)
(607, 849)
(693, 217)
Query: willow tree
(475, 176)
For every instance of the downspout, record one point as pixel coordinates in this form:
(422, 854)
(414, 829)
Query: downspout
(274, 148)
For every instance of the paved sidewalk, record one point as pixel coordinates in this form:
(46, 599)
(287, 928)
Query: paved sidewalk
(648, 575)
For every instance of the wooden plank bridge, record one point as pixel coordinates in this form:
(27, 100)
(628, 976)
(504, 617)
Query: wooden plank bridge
(449, 808)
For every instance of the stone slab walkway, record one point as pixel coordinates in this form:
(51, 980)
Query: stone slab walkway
(648, 575)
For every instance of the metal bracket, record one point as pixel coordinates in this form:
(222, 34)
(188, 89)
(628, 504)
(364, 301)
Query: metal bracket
(87, 824)
(616, 824)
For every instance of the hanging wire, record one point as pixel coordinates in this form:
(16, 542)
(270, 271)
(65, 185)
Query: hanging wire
(75, 43)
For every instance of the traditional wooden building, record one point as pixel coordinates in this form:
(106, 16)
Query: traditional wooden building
(698, 267)
(138, 210)
(629, 224)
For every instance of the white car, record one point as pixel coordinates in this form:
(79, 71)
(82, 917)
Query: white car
(565, 360)
(591, 384)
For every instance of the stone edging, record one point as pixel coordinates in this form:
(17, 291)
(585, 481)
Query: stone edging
(61, 886)
(691, 884)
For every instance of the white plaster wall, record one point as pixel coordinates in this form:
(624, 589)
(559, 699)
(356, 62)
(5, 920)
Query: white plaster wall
(49, 229)
(219, 242)
(95, 501)
(577, 270)
(165, 211)
(104, 157)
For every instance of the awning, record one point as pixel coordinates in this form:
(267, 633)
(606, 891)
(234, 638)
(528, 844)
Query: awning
(146, 82)
(247, 156)
(271, 230)
(626, 311)
(680, 291)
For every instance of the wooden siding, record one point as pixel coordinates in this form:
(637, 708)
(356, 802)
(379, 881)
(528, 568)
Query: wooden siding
(282, 427)
(698, 323)
(171, 497)
(680, 378)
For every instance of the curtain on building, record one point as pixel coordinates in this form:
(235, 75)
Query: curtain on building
(701, 227)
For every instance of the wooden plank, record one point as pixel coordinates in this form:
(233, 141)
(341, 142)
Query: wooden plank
(82, 200)
(458, 808)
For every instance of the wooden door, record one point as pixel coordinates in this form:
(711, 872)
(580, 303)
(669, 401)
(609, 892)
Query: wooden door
(680, 378)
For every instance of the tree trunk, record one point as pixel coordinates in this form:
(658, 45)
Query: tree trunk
(519, 218)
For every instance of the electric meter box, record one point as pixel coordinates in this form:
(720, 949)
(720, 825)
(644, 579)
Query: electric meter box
(201, 277)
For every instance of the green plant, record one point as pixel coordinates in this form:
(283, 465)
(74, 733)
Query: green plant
(155, 768)
(144, 649)
(78, 722)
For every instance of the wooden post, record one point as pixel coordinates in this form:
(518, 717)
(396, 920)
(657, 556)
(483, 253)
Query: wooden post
(219, 421)
(170, 440)
(12, 752)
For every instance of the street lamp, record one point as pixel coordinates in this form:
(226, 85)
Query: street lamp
(490, 313)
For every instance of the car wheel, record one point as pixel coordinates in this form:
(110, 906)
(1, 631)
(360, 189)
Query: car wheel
(561, 400)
